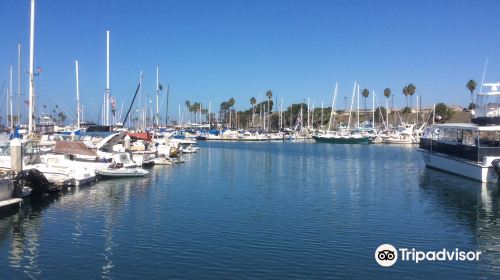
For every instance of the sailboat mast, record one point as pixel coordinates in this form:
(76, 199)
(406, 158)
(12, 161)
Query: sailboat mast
(282, 113)
(7, 118)
(107, 78)
(333, 107)
(77, 96)
(166, 114)
(312, 116)
(321, 125)
(18, 84)
(209, 114)
(308, 109)
(140, 120)
(32, 82)
(373, 109)
(157, 95)
(358, 108)
(387, 112)
(350, 110)
(10, 100)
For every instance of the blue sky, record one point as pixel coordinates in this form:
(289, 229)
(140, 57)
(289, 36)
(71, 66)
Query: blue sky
(214, 50)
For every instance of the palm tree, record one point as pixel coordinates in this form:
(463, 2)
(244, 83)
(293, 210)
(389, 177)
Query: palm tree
(471, 85)
(253, 101)
(387, 94)
(269, 95)
(411, 92)
(188, 105)
(365, 94)
(231, 102)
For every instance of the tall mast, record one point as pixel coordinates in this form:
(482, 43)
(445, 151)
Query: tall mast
(321, 125)
(10, 100)
(18, 84)
(352, 102)
(77, 96)
(387, 112)
(166, 114)
(209, 113)
(281, 114)
(333, 107)
(373, 109)
(308, 110)
(312, 116)
(107, 79)
(418, 108)
(32, 82)
(157, 117)
(358, 108)
(139, 122)
(7, 117)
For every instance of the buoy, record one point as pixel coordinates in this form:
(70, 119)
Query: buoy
(496, 165)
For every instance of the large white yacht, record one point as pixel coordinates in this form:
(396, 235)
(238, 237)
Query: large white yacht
(468, 149)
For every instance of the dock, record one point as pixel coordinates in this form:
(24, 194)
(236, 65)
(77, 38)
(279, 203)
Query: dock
(10, 202)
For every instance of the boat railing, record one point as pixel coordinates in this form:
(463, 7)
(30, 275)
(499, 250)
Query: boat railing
(457, 150)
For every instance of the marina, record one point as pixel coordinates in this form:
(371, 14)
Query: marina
(279, 140)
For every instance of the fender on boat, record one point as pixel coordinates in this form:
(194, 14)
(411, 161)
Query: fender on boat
(496, 166)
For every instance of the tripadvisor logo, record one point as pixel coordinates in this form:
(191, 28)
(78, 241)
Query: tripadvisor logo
(387, 255)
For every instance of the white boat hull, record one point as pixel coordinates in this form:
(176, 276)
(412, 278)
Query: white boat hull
(122, 172)
(479, 172)
(6, 189)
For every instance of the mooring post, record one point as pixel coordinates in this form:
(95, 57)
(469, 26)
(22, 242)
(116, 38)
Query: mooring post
(127, 143)
(16, 155)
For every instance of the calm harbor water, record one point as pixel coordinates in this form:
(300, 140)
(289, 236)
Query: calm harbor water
(259, 210)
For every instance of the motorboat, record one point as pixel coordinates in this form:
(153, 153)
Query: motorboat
(117, 170)
(468, 149)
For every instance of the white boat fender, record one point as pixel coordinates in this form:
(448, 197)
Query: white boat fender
(496, 166)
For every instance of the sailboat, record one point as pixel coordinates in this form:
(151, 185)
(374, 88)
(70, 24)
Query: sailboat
(342, 136)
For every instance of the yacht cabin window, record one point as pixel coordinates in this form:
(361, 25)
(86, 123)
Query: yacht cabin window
(448, 135)
(468, 137)
(490, 139)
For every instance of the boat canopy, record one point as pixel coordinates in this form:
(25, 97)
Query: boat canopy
(73, 148)
(146, 136)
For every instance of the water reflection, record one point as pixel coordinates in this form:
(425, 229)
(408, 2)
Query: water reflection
(473, 205)
(23, 227)
(77, 210)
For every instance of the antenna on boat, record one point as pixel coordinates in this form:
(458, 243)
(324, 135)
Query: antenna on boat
(484, 73)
